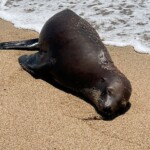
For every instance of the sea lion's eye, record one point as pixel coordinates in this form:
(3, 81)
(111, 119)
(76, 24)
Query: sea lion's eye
(103, 93)
(110, 91)
(102, 79)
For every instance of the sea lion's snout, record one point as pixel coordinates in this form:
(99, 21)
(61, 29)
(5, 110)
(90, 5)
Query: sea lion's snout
(114, 109)
(107, 110)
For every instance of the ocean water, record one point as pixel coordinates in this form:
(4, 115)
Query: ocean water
(120, 23)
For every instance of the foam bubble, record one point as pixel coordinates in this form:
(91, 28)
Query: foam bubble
(119, 23)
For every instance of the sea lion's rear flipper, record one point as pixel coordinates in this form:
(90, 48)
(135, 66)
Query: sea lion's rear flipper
(36, 64)
(31, 44)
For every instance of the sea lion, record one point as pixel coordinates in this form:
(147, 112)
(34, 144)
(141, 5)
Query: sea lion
(72, 53)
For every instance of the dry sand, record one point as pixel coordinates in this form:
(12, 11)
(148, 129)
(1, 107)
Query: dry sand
(35, 115)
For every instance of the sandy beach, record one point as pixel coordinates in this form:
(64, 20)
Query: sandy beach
(35, 115)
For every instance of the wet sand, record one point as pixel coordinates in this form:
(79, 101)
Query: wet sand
(36, 115)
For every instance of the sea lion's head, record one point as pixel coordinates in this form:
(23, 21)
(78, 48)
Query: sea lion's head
(114, 97)
(111, 97)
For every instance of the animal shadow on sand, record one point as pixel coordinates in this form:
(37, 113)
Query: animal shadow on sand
(51, 81)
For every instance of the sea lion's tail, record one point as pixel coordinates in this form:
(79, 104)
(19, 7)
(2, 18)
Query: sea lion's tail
(31, 45)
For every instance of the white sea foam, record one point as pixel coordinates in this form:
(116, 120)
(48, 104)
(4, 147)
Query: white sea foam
(120, 23)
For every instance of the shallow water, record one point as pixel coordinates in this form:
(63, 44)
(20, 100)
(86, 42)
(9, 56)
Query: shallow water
(120, 23)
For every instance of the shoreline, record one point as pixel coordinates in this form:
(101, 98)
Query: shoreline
(35, 34)
(37, 115)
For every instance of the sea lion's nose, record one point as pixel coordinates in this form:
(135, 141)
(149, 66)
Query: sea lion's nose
(107, 110)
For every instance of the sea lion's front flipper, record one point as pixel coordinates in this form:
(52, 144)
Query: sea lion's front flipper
(36, 64)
